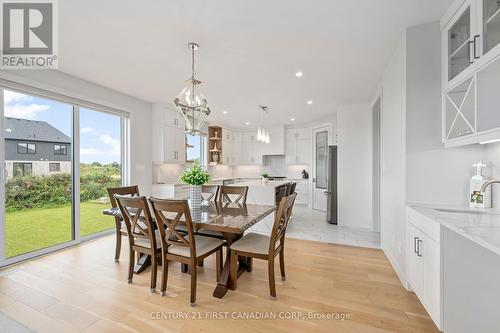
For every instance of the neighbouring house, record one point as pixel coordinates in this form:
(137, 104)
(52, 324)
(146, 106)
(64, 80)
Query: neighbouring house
(35, 148)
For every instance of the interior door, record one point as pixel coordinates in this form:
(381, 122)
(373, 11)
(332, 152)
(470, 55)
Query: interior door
(320, 168)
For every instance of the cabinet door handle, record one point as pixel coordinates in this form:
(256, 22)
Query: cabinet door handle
(419, 242)
(468, 51)
(415, 240)
(475, 46)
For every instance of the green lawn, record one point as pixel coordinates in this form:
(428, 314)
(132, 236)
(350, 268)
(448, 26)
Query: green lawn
(34, 229)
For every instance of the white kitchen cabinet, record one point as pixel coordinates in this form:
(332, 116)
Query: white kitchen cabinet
(471, 72)
(175, 145)
(251, 152)
(227, 146)
(302, 190)
(423, 261)
(237, 150)
(297, 146)
(168, 137)
(276, 145)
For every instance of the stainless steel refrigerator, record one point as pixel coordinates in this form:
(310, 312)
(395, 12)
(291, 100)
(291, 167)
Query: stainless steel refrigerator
(331, 191)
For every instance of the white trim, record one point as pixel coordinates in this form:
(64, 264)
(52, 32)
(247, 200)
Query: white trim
(76, 174)
(2, 183)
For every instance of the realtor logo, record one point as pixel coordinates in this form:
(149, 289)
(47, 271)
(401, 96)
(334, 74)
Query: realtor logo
(28, 34)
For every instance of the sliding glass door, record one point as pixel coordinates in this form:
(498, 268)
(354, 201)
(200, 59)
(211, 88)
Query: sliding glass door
(56, 161)
(100, 168)
(38, 173)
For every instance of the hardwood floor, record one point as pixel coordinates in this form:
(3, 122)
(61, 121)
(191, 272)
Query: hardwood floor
(83, 290)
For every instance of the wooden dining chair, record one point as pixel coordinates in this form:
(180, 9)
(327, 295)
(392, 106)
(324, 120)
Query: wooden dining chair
(120, 228)
(176, 247)
(280, 193)
(211, 191)
(265, 247)
(234, 194)
(142, 236)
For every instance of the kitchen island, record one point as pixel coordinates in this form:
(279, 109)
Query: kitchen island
(261, 193)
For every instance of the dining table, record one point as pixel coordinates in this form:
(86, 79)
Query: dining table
(221, 219)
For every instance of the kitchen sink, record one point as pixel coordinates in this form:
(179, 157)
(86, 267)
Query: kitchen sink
(466, 211)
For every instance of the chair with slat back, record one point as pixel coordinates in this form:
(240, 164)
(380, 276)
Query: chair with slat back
(211, 191)
(142, 236)
(234, 194)
(280, 193)
(292, 188)
(265, 247)
(120, 229)
(189, 249)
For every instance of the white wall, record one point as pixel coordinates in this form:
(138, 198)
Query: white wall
(140, 113)
(434, 174)
(354, 139)
(393, 88)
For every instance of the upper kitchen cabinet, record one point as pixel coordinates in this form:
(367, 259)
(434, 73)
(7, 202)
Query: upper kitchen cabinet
(458, 43)
(471, 72)
(298, 146)
(169, 139)
(489, 29)
(276, 146)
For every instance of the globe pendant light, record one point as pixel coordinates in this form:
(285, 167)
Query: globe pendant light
(191, 103)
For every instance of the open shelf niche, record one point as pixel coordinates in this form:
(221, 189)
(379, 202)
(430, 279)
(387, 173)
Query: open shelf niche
(214, 145)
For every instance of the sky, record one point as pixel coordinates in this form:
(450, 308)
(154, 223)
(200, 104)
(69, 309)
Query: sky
(99, 132)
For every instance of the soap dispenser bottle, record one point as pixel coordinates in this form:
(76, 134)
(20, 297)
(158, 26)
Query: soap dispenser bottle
(478, 199)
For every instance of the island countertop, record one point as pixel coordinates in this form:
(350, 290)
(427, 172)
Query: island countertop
(259, 183)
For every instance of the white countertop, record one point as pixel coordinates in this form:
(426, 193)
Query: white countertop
(259, 183)
(483, 229)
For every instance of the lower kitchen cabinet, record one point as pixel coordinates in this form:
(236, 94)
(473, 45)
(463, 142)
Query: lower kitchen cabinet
(423, 261)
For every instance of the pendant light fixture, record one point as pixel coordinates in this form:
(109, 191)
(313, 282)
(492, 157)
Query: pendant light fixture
(191, 103)
(262, 133)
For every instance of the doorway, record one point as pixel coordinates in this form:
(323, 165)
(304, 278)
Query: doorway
(376, 162)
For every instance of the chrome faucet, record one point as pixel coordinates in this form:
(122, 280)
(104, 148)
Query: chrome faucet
(488, 183)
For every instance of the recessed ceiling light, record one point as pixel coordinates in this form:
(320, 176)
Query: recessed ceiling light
(309, 102)
(247, 123)
(292, 119)
(299, 74)
(224, 112)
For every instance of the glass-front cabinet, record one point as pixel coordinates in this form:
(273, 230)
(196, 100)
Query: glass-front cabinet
(471, 72)
(491, 25)
(459, 44)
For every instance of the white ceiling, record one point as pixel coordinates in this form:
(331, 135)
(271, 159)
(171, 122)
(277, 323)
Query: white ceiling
(249, 50)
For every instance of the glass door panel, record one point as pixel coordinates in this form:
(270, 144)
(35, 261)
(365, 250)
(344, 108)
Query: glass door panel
(38, 188)
(458, 45)
(491, 24)
(321, 159)
(100, 168)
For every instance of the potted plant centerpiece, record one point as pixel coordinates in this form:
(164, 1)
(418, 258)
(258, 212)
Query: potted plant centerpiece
(195, 176)
(264, 177)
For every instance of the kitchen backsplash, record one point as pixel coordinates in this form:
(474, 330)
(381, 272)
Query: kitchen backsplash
(169, 173)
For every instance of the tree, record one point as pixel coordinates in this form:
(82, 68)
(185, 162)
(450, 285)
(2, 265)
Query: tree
(97, 164)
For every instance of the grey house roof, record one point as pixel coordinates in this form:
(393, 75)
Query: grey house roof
(33, 130)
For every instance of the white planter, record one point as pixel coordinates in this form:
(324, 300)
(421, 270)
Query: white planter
(195, 199)
(264, 180)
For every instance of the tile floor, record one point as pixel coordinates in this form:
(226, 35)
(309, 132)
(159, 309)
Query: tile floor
(310, 224)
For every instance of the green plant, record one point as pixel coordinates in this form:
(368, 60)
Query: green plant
(195, 176)
(265, 175)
